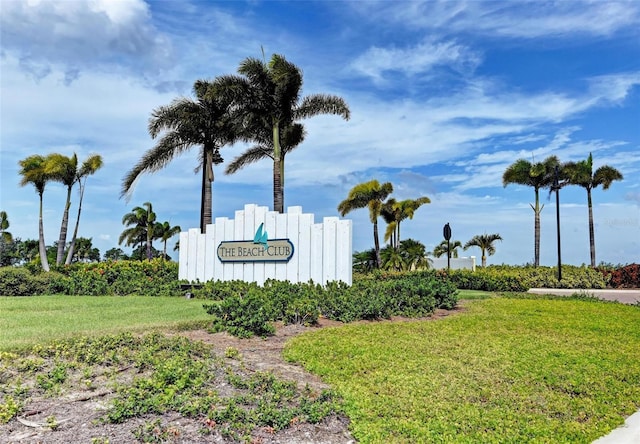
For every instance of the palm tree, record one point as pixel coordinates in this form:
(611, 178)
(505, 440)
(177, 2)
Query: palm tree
(441, 248)
(415, 254)
(141, 222)
(268, 95)
(394, 212)
(537, 175)
(63, 169)
(364, 261)
(207, 122)
(4, 225)
(485, 243)
(164, 231)
(582, 174)
(92, 164)
(33, 170)
(368, 194)
(393, 259)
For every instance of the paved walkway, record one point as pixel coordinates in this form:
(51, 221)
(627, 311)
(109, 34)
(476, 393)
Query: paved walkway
(629, 432)
(624, 296)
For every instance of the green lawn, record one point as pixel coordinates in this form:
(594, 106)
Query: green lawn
(505, 370)
(27, 321)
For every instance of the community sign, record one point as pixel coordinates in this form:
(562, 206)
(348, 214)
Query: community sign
(261, 249)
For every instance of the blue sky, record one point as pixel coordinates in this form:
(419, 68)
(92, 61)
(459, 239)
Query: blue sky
(443, 97)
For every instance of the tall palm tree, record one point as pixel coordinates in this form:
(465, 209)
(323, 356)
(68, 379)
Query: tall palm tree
(4, 226)
(33, 170)
(394, 212)
(537, 175)
(368, 194)
(92, 164)
(141, 222)
(441, 248)
(269, 96)
(582, 174)
(63, 169)
(206, 122)
(485, 243)
(164, 231)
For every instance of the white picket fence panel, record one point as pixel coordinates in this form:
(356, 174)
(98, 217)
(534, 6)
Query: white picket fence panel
(322, 252)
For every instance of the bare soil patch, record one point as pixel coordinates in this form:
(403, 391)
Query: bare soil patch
(78, 411)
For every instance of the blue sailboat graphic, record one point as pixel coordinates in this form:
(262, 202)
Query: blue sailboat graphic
(261, 236)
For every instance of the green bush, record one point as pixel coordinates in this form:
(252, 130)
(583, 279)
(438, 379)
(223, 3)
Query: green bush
(241, 315)
(17, 281)
(143, 278)
(512, 278)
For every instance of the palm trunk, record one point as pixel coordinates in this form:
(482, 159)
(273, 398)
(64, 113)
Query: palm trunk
(592, 239)
(376, 243)
(484, 260)
(75, 230)
(164, 251)
(208, 191)
(41, 247)
(278, 195)
(62, 240)
(398, 235)
(536, 230)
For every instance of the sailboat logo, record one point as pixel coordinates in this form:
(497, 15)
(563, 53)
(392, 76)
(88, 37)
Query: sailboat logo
(261, 236)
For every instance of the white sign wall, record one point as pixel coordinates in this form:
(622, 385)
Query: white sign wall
(321, 251)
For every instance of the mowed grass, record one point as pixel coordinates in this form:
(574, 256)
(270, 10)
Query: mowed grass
(25, 321)
(504, 370)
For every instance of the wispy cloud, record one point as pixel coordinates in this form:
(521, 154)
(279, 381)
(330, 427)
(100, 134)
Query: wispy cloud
(524, 19)
(422, 58)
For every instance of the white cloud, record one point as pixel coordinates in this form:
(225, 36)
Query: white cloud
(76, 35)
(419, 59)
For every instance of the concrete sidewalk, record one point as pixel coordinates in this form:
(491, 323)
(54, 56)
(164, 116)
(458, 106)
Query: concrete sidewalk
(631, 296)
(629, 432)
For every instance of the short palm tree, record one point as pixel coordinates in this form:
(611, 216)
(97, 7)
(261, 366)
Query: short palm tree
(582, 174)
(415, 254)
(4, 226)
(368, 195)
(91, 164)
(268, 95)
(141, 223)
(537, 175)
(394, 212)
(164, 231)
(393, 259)
(33, 171)
(207, 122)
(364, 261)
(485, 243)
(441, 248)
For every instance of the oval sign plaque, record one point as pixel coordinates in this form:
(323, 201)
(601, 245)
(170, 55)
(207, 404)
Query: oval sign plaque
(275, 250)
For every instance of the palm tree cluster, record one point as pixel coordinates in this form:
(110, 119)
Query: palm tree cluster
(545, 174)
(40, 170)
(261, 106)
(143, 228)
(375, 197)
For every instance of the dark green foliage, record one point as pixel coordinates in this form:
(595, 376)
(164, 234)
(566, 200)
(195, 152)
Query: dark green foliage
(143, 278)
(242, 315)
(246, 309)
(17, 282)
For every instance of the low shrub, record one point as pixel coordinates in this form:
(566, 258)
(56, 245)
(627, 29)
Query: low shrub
(511, 278)
(17, 281)
(245, 309)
